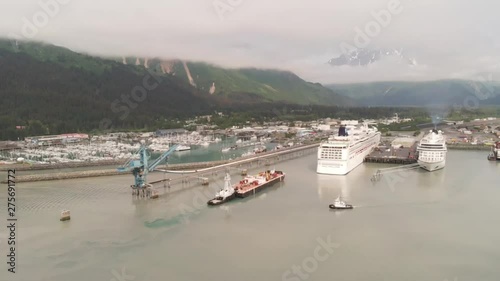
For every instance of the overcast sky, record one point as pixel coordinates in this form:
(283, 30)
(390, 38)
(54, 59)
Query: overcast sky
(448, 38)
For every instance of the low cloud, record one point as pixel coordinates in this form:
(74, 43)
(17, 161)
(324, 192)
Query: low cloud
(449, 39)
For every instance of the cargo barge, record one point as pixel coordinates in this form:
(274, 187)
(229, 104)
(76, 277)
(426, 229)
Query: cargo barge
(253, 184)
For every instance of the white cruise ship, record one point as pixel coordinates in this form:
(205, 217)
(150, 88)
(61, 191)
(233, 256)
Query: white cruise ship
(432, 151)
(495, 152)
(341, 154)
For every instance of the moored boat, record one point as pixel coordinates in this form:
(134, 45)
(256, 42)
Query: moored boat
(432, 151)
(253, 184)
(183, 148)
(495, 152)
(225, 194)
(342, 153)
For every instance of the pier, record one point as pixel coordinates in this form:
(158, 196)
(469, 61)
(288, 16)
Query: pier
(199, 172)
(402, 156)
(468, 147)
(54, 166)
(380, 172)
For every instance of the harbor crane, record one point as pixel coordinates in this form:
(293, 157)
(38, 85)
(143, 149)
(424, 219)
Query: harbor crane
(142, 166)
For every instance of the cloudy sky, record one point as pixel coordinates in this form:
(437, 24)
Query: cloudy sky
(448, 38)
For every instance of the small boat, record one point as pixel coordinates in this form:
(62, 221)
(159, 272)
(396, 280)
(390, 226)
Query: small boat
(225, 194)
(183, 148)
(492, 157)
(226, 149)
(495, 152)
(340, 204)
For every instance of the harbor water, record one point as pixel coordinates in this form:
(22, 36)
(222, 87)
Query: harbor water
(412, 225)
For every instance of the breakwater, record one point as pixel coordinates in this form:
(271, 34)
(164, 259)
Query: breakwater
(468, 147)
(263, 158)
(54, 166)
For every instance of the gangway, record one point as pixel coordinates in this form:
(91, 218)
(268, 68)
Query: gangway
(380, 172)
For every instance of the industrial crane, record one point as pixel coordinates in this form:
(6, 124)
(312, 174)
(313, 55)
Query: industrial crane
(141, 167)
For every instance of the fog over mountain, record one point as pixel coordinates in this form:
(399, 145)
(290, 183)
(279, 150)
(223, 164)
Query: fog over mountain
(448, 38)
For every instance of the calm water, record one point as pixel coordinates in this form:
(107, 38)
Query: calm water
(414, 226)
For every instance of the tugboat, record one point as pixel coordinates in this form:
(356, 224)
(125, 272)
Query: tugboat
(339, 204)
(225, 194)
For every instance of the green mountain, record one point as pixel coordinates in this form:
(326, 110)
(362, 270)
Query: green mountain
(247, 83)
(53, 90)
(50, 90)
(430, 93)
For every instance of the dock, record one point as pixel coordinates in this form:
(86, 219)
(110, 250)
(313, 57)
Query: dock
(468, 147)
(199, 171)
(402, 156)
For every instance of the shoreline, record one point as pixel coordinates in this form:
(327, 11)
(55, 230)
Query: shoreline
(35, 167)
(468, 147)
(173, 167)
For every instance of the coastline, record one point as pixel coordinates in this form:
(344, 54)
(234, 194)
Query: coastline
(174, 167)
(33, 167)
(468, 147)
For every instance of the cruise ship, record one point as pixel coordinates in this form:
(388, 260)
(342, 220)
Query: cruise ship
(432, 151)
(342, 153)
(495, 152)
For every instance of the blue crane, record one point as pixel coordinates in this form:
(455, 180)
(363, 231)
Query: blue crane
(141, 167)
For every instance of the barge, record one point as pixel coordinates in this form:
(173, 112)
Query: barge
(253, 184)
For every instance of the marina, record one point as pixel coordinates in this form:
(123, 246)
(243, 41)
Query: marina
(209, 167)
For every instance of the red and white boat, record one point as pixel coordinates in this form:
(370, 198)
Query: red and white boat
(253, 184)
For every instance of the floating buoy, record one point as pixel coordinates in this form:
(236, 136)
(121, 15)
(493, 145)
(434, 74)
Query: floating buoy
(154, 194)
(65, 215)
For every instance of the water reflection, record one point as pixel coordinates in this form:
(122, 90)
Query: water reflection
(332, 186)
(433, 183)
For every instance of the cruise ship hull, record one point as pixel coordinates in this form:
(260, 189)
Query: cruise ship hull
(343, 167)
(432, 166)
(335, 167)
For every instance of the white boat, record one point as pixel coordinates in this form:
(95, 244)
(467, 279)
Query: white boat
(495, 152)
(248, 153)
(342, 153)
(183, 148)
(225, 194)
(227, 149)
(340, 204)
(432, 151)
